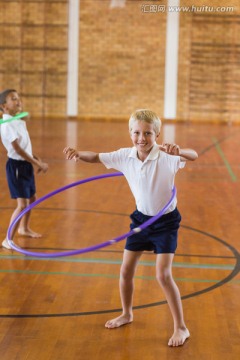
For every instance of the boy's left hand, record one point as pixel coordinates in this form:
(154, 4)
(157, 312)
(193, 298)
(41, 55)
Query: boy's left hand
(171, 149)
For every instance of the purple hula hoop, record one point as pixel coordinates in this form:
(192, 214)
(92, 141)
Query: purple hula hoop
(90, 248)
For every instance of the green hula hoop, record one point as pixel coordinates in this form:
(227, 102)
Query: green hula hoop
(16, 117)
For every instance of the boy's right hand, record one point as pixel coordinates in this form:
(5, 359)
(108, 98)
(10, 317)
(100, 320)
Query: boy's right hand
(43, 167)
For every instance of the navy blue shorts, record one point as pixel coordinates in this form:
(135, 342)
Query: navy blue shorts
(160, 237)
(20, 177)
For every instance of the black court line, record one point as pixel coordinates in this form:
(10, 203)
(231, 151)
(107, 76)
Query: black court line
(202, 152)
(225, 280)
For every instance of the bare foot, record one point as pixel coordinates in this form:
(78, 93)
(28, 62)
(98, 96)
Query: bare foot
(29, 233)
(179, 337)
(6, 245)
(119, 321)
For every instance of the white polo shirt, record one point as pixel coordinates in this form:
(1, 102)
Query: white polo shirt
(151, 181)
(11, 131)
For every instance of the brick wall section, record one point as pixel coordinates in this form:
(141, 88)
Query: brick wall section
(209, 63)
(121, 58)
(214, 85)
(33, 43)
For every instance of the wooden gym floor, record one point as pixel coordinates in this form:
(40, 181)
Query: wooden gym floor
(55, 309)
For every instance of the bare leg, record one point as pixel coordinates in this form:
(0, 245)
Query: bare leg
(165, 279)
(24, 228)
(130, 260)
(21, 204)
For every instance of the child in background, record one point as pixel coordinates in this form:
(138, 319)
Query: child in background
(19, 167)
(150, 170)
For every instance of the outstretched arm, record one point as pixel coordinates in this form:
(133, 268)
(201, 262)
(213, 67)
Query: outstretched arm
(173, 149)
(87, 156)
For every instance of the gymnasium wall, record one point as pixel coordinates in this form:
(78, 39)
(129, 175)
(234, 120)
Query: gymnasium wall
(122, 57)
(34, 46)
(209, 63)
(121, 63)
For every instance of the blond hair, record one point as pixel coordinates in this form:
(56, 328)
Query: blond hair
(147, 116)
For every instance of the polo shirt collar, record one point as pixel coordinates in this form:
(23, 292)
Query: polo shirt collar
(6, 116)
(153, 155)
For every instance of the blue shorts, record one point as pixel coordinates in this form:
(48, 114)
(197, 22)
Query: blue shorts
(160, 237)
(20, 177)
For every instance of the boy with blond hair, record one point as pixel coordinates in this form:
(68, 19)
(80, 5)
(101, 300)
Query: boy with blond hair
(150, 170)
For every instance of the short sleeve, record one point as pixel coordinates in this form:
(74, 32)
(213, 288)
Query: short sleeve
(182, 164)
(174, 162)
(105, 160)
(9, 132)
(114, 160)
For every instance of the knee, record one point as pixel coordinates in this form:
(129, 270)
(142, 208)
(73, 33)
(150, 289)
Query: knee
(164, 277)
(21, 206)
(126, 273)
